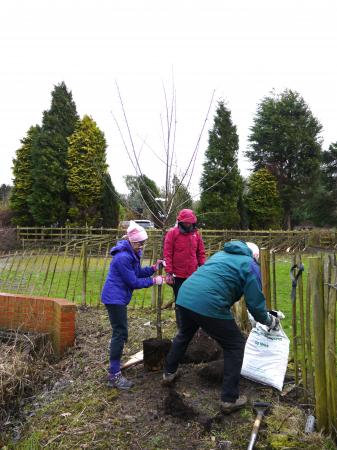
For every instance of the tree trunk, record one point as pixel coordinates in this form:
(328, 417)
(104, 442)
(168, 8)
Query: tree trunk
(287, 218)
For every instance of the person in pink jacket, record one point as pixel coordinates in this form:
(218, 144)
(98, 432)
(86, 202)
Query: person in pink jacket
(184, 251)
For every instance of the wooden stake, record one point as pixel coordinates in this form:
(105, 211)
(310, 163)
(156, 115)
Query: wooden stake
(310, 370)
(84, 273)
(23, 273)
(273, 261)
(77, 274)
(103, 271)
(302, 326)
(294, 330)
(331, 352)
(70, 272)
(54, 270)
(316, 287)
(265, 274)
(37, 274)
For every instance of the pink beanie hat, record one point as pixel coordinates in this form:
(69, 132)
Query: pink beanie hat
(135, 233)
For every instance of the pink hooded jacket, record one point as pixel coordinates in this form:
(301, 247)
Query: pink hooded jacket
(184, 252)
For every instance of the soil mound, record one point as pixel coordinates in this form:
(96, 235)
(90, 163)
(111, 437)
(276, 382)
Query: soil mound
(175, 406)
(213, 372)
(202, 348)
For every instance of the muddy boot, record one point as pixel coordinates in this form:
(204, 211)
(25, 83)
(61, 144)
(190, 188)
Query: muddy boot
(169, 378)
(119, 382)
(229, 407)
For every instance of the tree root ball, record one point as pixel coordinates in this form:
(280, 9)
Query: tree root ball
(202, 348)
(155, 351)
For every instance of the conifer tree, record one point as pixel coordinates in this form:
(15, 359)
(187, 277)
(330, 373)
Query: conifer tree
(49, 198)
(285, 139)
(23, 181)
(325, 193)
(182, 199)
(221, 182)
(87, 169)
(263, 201)
(109, 204)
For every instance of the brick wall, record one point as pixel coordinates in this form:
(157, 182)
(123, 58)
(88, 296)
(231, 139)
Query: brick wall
(40, 314)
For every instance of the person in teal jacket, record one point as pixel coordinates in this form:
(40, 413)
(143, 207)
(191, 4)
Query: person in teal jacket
(205, 300)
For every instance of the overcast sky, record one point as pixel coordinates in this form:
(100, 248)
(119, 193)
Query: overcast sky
(241, 48)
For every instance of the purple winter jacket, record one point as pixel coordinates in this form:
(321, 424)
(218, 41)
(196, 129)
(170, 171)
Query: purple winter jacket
(125, 275)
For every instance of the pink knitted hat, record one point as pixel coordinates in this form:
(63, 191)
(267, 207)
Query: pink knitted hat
(135, 233)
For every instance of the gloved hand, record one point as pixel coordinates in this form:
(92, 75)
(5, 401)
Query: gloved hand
(169, 278)
(273, 323)
(278, 314)
(156, 266)
(158, 280)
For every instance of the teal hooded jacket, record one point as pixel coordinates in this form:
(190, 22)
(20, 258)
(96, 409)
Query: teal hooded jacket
(221, 281)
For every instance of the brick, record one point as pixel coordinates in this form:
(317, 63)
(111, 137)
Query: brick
(28, 313)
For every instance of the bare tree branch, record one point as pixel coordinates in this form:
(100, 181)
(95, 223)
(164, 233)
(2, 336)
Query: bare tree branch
(194, 155)
(210, 187)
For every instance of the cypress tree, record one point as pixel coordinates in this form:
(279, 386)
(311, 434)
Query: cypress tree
(263, 201)
(221, 182)
(23, 181)
(87, 170)
(49, 198)
(109, 204)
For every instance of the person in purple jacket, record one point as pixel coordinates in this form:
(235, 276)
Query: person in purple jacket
(125, 275)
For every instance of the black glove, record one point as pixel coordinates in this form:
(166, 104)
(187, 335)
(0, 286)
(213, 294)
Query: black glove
(273, 323)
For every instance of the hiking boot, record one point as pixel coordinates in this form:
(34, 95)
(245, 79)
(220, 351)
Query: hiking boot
(228, 407)
(168, 378)
(119, 382)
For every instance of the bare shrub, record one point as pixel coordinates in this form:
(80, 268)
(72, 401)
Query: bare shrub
(8, 239)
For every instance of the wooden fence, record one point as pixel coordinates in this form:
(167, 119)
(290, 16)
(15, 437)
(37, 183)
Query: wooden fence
(278, 240)
(313, 331)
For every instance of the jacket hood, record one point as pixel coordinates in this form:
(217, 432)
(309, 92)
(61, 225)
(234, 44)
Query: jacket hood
(238, 248)
(187, 215)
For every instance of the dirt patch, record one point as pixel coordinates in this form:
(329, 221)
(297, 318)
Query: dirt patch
(79, 411)
(212, 372)
(175, 406)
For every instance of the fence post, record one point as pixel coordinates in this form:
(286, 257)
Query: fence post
(294, 329)
(265, 274)
(85, 274)
(308, 334)
(302, 326)
(273, 261)
(331, 351)
(316, 288)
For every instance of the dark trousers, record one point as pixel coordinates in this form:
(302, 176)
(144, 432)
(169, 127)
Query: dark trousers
(176, 286)
(225, 332)
(119, 324)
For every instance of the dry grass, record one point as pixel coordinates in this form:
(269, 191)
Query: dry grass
(22, 356)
